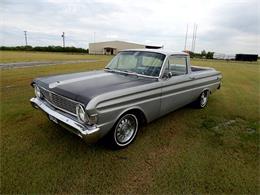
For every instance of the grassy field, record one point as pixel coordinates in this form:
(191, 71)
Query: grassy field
(213, 150)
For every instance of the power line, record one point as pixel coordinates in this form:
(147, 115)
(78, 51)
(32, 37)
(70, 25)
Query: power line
(25, 37)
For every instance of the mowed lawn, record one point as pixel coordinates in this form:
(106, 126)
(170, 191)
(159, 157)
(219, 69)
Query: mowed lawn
(212, 150)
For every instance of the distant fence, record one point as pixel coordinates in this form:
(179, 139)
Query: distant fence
(45, 49)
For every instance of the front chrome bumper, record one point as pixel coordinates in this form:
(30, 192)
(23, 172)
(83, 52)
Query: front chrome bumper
(88, 133)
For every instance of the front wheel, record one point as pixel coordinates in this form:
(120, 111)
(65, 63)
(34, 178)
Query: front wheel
(124, 131)
(202, 101)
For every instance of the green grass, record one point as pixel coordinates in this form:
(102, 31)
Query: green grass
(27, 56)
(213, 150)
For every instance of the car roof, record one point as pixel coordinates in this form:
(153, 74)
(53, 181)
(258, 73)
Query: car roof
(162, 51)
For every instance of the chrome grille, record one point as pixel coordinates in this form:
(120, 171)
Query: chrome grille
(59, 101)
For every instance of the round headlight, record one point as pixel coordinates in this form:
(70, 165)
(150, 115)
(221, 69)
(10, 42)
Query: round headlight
(37, 91)
(82, 115)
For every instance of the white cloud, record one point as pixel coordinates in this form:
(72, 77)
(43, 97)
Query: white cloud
(229, 26)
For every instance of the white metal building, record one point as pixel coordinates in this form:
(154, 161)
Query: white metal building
(221, 56)
(112, 47)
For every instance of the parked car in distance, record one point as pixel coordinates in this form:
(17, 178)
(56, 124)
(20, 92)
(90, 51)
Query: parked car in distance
(136, 87)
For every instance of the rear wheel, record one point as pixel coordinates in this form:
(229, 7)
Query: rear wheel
(124, 131)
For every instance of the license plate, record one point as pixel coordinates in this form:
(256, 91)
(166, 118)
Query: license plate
(53, 119)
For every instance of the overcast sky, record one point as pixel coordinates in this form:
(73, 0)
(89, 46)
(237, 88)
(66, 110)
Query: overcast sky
(225, 26)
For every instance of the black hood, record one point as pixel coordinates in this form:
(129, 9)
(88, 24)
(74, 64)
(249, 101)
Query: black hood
(84, 86)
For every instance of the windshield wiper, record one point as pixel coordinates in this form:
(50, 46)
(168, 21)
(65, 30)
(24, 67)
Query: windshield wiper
(109, 69)
(127, 72)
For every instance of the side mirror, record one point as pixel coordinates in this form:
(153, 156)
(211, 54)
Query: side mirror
(169, 75)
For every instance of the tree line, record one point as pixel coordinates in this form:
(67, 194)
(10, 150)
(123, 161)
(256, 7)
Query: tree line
(50, 48)
(203, 54)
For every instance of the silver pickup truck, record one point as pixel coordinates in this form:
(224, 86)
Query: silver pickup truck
(136, 87)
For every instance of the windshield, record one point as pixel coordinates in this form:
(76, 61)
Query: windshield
(140, 62)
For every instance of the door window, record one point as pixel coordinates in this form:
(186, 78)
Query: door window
(177, 65)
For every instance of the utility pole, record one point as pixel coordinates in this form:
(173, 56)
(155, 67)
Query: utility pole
(63, 38)
(94, 42)
(186, 37)
(195, 36)
(25, 37)
(192, 42)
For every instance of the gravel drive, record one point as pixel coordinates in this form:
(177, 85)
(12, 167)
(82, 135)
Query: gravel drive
(41, 63)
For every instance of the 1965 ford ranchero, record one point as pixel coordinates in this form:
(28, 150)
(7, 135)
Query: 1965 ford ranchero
(136, 87)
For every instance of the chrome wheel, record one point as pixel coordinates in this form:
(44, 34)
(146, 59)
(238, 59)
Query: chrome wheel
(203, 99)
(126, 130)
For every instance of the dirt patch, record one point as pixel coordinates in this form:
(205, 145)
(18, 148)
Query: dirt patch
(225, 124)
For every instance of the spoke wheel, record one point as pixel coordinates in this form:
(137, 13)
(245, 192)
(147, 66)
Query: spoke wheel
(203, 99)
(125, 130)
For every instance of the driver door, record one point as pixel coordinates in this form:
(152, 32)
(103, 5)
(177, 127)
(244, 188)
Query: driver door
(174, 87)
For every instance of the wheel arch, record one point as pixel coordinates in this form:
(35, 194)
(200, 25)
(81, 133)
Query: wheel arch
(137, 111)
(206, 89)
(140, 114)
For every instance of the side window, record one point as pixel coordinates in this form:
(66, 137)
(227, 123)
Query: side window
(177, 65)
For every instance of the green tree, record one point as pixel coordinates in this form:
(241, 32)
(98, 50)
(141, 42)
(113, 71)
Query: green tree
(203, 53)
(209, 55)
